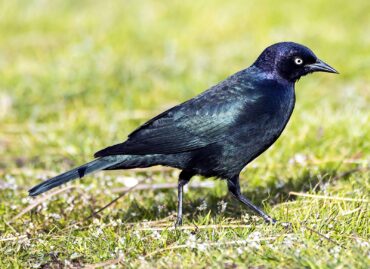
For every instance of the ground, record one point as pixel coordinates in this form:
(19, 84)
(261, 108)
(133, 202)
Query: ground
(77, 76)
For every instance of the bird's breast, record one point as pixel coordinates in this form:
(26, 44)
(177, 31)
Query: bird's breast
(263, 122)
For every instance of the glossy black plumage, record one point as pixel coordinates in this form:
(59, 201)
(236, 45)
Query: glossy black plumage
(220, 131)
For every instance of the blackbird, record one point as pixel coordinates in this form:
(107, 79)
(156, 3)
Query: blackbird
(218, 132)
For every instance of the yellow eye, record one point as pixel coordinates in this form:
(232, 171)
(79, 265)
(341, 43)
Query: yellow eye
(298, 61)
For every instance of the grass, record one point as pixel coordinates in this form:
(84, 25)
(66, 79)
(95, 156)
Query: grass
(80, 75)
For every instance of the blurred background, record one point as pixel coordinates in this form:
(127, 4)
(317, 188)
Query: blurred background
(80, 75)
(77, 76)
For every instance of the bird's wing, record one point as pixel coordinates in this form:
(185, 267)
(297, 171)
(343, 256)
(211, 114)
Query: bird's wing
(194, 124)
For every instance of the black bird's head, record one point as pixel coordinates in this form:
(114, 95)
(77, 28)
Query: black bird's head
(291, 61)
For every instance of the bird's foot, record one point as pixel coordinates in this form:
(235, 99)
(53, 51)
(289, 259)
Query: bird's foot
(270, 220)
(178, 222)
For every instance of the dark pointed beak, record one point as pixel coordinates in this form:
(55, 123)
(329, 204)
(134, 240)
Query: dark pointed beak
(321, 66)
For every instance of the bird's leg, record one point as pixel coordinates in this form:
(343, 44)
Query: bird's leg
(184, 178)
(234, 188)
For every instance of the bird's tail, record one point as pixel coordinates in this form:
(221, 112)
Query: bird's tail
(79, 172)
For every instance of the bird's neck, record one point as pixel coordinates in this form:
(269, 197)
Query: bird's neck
(271, 74)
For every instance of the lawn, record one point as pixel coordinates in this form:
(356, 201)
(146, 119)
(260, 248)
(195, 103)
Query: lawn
(76, 76)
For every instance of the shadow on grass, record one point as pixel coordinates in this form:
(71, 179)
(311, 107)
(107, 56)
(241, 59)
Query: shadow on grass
(272, 194)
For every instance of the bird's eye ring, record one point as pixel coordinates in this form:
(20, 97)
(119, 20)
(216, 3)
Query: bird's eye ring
(298, 61)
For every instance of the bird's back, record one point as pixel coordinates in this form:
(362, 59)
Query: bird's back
(217, 132)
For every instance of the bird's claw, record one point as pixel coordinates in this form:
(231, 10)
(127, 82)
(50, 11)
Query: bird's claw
(270, 220)
(178, 223)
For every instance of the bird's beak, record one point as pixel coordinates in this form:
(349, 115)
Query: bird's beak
(321, 66)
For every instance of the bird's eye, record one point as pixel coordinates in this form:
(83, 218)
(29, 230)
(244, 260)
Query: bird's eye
(298, 61)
